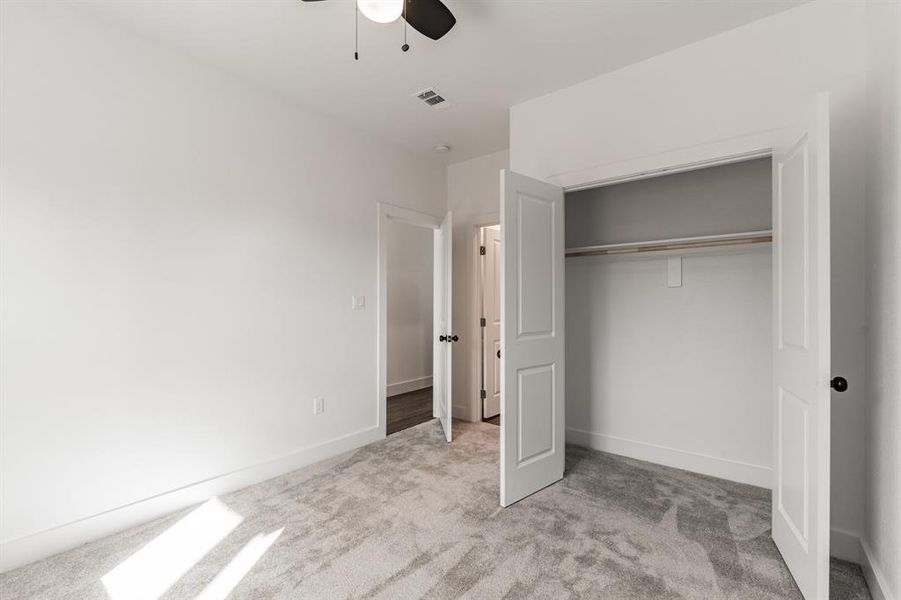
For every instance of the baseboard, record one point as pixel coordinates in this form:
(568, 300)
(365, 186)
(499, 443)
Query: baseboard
(874, 574)
(409, 385)
(844, 545)
(671, 457)
(29, 548)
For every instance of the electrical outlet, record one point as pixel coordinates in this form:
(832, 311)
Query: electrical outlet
(318, 406)
(359, 302)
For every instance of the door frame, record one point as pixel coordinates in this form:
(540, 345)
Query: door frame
(475, 333)
(679, 160)
(407, 216)
(760, 144)
(478, 412)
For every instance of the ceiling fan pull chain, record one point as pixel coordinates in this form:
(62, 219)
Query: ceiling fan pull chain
(406, 46)
(356, 32)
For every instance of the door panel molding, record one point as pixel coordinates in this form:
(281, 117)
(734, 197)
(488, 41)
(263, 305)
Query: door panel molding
(534, 260)
(797, 516)
(535, 410)
(793, 255)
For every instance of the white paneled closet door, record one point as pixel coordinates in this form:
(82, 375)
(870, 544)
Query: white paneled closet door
(532, 331)
(802, 351)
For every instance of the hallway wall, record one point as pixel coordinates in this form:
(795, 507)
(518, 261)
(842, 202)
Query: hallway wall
(410, 299)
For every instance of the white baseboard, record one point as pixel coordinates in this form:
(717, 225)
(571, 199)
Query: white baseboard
(409, 385)
(29, 548)
(874, 574)
(671, 457)
(844, 545)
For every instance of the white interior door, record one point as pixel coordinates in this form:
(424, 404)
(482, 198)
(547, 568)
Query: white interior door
(491, 332)
(443, 335)
(532, 309)
(801, 351)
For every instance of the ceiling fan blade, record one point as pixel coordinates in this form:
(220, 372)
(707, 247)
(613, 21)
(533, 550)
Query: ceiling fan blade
(431, 18)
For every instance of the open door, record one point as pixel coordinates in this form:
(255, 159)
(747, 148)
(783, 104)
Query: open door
(443, 335)
(491, 324)
(532, 327)
(801, 352)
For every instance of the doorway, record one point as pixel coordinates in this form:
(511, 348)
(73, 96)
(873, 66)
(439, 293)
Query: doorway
(489, 301)
(412, 331)
(409, 312)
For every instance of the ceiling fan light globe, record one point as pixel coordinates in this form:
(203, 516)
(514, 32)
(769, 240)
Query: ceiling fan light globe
(381, 11)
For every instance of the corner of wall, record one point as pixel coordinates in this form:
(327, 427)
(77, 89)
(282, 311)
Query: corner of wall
(875, 576)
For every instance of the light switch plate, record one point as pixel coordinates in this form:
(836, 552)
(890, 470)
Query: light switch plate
(359, 302)
(318, 406)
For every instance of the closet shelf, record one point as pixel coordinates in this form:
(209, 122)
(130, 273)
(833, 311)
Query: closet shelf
(687, 243)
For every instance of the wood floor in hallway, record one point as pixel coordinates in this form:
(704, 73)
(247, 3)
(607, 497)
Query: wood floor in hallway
(408, 410)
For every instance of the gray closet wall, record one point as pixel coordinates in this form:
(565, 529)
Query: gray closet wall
(725, 199)
(679, 375)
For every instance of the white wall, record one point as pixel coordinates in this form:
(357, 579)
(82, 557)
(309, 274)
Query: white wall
(679, 376)
(473, 194)
(882, 533)
(410, 300)
(179, 252)
(734, 84)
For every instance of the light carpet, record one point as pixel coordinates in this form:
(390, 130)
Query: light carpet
(414, 517)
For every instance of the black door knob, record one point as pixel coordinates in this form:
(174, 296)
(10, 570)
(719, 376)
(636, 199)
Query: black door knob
(443, 338)
(839, 384)
(498, 353)
(453, 338)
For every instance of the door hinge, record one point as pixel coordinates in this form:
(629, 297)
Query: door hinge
(483, 322)
(482, 250)
(483, 394)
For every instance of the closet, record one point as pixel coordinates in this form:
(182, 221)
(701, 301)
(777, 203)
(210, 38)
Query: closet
(669, 320)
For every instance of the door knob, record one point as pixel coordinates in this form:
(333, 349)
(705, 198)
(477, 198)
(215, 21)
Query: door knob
(498, 353)
(839, 384)
(443, 338)
(453, 338)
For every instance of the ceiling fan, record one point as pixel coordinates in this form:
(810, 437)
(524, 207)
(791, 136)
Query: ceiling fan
(431, 18)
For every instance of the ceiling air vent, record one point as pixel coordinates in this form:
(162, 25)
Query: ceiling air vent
(432, 98)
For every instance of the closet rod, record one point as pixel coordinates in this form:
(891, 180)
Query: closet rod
(705, 241)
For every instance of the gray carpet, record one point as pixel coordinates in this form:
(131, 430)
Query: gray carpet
(412, 516)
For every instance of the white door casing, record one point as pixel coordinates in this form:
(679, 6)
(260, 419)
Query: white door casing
(441, 370)
(441, 263)
(801, 351)
(491, 332)
(532, 336)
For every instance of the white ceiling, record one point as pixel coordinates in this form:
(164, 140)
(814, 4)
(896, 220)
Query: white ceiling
(500, 53)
